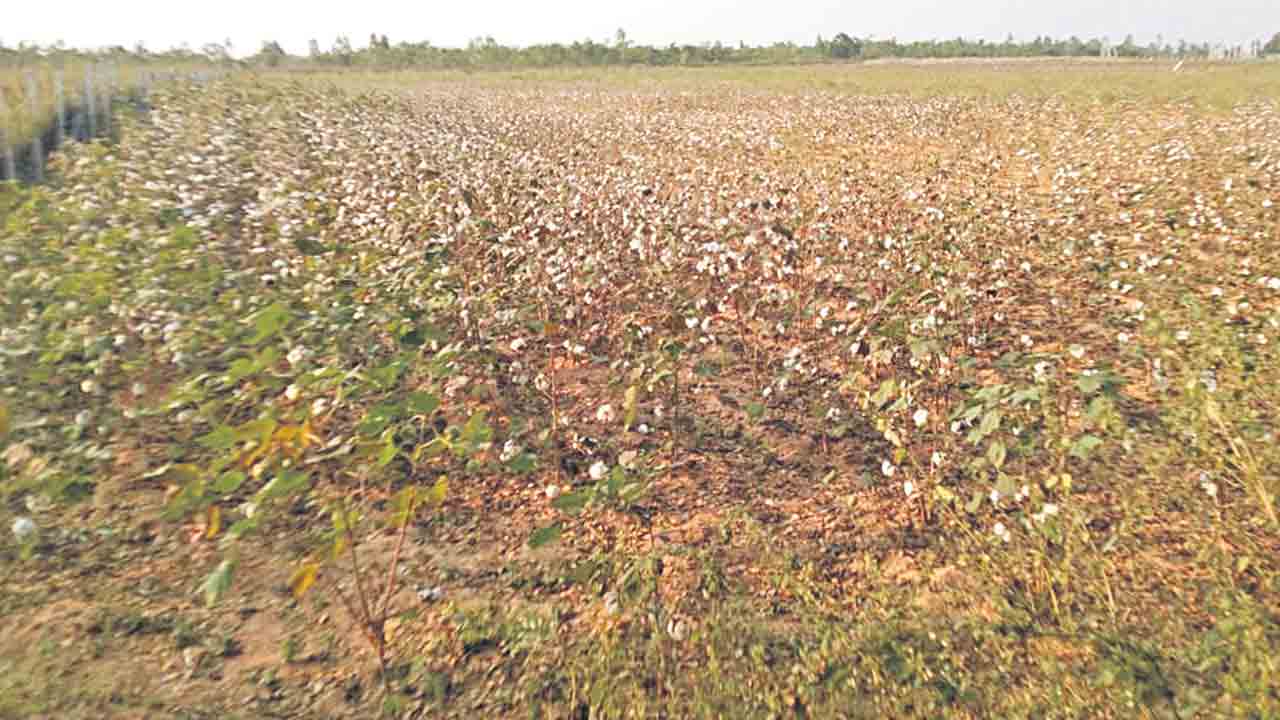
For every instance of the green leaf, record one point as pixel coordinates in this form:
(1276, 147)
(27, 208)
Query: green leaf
(406, 502)
(260, 430)
(572, 503)
(996, 453)
(310, 247)
(423, 403)
(706, 370)
(1089, 384)
(974, 503)
(632, 492)
(523, 463)
(285, 484)
(990, 422)
(617, 477)
(1085, 446)
(755, 410)
(1005, 486)
(269, 321)
(187, 499)
(244, 527)
(1025, 395)
(222, 438)
(218, 582)
(413, 339)
(388, 452)
(884, 394)
(544, 536)
(378, 418)
(990, 393)
(228, 482)
(477, 432)
(1099, 407)
(387, 375)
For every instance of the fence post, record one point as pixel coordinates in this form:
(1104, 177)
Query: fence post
(37, 143)
(60, 105)
(89, 102)
(106, 100)
(6, 149)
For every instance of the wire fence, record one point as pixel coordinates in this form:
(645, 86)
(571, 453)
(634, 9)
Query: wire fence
(42, 110)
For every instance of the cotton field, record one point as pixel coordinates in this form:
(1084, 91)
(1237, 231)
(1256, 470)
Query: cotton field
(601, 401)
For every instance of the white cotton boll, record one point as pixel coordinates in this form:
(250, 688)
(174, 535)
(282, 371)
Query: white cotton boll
(887, 468)
(920, 417)
(612, 605)
(1001, 532)
(605, 414)
(24, 529)
(552, 491)
(598, 470)
(1046, 512)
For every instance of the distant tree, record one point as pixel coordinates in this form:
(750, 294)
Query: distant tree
(313, 49)
(216, 52)
(842, 47)
(1273, 46)
(271, 54)
(342, 50)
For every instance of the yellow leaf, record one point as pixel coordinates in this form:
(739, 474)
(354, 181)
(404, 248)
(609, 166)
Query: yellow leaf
(182, 475)
(1211, 409)
(629, 407)
(4, 420)
(248, 459)
(391, 628)
(308, 436)
(215, 522)
(303, 578)
(439, 491)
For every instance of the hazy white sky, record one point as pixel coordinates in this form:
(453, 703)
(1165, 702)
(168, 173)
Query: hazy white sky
(247, 23)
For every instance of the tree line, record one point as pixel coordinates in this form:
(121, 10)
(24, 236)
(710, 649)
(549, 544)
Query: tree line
(486, 52)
